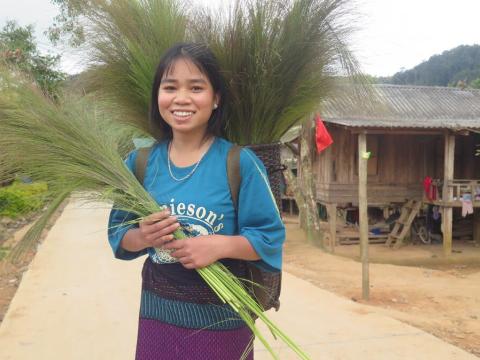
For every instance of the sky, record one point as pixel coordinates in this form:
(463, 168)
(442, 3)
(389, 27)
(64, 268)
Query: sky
(392, 34)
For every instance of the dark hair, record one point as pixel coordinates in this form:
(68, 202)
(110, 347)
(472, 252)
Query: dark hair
(207, 63)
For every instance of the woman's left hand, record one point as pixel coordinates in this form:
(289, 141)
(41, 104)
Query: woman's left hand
(196, 252)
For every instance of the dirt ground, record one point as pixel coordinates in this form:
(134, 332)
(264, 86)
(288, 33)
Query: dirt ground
(437, 295)
(11, 275)
(9, 282)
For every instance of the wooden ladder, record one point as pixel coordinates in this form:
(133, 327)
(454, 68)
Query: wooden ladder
(409, 210)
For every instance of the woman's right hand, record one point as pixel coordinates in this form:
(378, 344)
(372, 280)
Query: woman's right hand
(157, 229)
(153, 231)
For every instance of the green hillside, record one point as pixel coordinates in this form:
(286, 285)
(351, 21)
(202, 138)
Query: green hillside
(447, 69)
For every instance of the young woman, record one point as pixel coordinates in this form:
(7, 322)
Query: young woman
(180, 317)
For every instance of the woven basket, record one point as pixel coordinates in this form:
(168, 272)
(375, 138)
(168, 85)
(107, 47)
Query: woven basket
(270, 156)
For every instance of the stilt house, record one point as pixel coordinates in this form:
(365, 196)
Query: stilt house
(418, 132)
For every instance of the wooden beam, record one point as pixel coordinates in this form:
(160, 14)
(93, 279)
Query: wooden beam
(294, 149)
(332, 222)
(448, 170)
(396, 132)
(477, 131)
(462, 132)
(363, 211)
(453, 203)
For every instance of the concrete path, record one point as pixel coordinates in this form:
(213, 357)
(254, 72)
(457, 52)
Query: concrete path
(77, 302)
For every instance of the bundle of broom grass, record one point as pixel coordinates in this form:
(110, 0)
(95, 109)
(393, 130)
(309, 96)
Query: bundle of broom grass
(124, 42)
(280, 59)
(72, 147)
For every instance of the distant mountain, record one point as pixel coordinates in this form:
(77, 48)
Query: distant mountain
(461, 64)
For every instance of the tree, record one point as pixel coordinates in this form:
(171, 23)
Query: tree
(445, 69)
(67, 26)
(475, 83)
(18, 47)
(303, 185)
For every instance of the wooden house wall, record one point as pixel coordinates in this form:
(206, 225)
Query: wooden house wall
(467, 165)
(397, 167)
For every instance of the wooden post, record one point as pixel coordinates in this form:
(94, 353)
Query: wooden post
(476, 225)
(332, 222)
(363, 212)
(447, 215)
(307, 160)
(292, 183)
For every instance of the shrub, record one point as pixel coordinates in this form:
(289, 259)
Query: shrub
(3, 252)
(19, 199)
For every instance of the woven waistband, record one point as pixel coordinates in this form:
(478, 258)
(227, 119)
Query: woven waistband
(174, 282)
(189, 315)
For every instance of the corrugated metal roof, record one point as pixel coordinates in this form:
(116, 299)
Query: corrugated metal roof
(400, 106)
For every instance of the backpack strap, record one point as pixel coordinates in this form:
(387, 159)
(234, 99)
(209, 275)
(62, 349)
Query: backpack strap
(141, 163)
(233, 173)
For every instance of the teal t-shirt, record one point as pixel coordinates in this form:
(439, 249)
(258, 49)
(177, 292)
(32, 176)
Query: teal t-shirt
(203, 204)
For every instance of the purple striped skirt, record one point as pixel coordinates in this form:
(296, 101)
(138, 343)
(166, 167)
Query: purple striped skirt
(160, 341)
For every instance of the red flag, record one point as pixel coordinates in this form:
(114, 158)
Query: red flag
(322, 136)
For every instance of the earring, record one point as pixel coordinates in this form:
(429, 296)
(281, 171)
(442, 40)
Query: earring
(215, 106)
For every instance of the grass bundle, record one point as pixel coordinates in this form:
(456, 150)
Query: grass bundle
(72, 147)
(125, 40)
(280, 60)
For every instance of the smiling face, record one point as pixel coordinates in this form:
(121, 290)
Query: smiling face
(186, 98)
